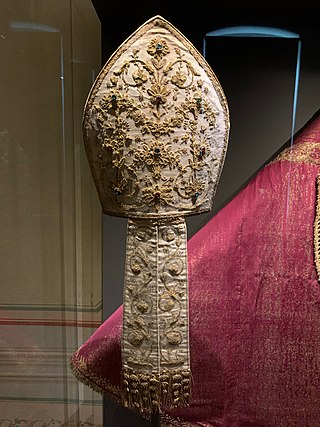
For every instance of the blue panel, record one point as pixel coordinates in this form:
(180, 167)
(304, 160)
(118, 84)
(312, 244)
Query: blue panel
(252, 31)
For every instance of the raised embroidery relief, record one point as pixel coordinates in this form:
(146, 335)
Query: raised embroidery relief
(160, 127)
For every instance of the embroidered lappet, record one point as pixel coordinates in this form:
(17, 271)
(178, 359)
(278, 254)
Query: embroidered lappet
(155, 339)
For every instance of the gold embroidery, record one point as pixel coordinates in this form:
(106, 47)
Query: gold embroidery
(316, 228)
(156, 127)
(144, 392)
(304, 152)
(156, 292)
(139, 389)
(157, 195)
(156, 155)
(155, 319)
(112, 114)
(158, 48)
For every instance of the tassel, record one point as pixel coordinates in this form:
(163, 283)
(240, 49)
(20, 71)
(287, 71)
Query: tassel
(149, 392)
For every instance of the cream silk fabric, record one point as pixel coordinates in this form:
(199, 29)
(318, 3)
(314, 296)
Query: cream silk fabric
(156, 127)
(156, 305)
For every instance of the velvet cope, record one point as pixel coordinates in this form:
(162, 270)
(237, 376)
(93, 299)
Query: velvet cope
(254, 302)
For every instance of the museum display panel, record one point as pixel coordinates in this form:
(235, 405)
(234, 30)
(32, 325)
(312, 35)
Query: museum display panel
(51, 249)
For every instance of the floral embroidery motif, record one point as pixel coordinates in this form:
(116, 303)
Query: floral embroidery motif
(156, 195)
(158, 48)
(155, 156)
(155, 317)
(160, 132)
(155, 291)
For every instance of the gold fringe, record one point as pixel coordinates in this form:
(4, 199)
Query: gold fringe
(316, 230)
(82, 373)
(148, 392)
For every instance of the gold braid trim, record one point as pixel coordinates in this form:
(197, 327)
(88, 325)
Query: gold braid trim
(148, 392)
(305, 152)
(316, 230)
(80, 370)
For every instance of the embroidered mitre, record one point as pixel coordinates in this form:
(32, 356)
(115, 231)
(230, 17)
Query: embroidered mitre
(156, 128)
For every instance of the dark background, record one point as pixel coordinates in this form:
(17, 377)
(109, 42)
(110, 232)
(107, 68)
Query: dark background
(195, 18)
(257, 76)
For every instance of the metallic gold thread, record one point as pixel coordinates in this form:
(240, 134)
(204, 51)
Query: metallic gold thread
(149, 392)
(316, 229)
(306, 152)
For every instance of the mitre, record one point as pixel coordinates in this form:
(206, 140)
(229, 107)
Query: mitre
(156, 128)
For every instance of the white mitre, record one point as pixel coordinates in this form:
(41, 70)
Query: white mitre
(156, 129)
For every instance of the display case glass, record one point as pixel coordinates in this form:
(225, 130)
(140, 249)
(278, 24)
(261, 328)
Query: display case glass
(50, 221)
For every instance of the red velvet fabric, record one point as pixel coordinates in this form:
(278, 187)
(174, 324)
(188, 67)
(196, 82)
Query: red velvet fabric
(254, 305)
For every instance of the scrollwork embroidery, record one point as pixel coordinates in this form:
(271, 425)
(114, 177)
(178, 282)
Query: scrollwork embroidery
(165, 131)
